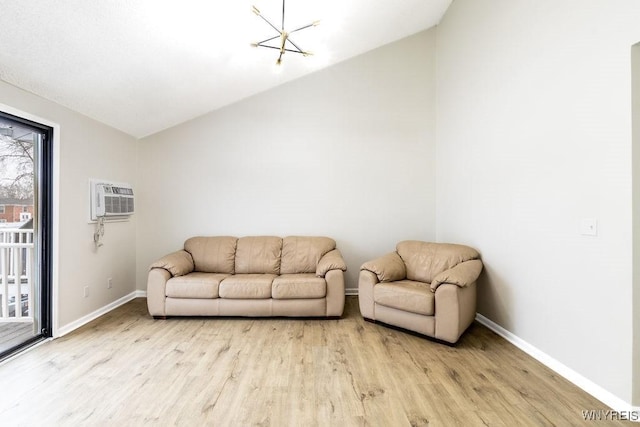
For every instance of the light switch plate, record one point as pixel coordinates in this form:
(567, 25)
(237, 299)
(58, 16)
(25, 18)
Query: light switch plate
(589, 227)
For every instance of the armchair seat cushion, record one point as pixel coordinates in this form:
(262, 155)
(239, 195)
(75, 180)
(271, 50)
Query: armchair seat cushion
(407, 295)
(247, 286)
(195, 285)
(294, 286)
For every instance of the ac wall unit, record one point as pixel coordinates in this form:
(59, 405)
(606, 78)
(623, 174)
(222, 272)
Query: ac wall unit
(111, 200)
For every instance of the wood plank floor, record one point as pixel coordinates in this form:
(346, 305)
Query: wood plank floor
(14, 333)
(128, 369)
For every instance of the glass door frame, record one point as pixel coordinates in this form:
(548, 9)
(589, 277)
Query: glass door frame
(45, 162)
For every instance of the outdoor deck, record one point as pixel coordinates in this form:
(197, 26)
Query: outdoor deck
(16, 286)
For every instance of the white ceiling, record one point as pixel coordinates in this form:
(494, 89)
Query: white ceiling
(142, 66)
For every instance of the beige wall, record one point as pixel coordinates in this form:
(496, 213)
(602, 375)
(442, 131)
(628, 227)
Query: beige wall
(346, 152)
(534, 134)
(87, 149)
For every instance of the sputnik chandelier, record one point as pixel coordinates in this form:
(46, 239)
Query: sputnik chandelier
(285, 44)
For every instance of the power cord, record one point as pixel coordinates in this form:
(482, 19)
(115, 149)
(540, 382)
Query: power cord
(97, 236)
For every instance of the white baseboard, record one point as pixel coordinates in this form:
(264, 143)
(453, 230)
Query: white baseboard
(351, 291)
(585, 384)
(61, 331)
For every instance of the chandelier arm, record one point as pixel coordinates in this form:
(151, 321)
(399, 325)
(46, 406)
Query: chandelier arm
(313, 24)
(267, 40)
(295, 45)
(286, 50)
(267, 21)
(301, 52)
(267, 46)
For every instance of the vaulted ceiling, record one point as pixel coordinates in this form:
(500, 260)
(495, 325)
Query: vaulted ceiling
(142, 66)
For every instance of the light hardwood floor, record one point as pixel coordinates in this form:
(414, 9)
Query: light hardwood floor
(14, 333)
(128, 369)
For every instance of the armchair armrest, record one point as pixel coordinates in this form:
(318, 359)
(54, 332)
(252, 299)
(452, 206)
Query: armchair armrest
(332, 260)
(177, 263)
(461, 275)
(388, 268)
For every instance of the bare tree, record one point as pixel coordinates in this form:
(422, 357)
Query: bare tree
(16, 164)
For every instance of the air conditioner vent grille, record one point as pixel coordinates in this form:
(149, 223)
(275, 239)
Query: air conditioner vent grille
(111, 200)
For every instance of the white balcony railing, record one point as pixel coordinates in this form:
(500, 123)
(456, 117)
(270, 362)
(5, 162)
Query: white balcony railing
(16, 274)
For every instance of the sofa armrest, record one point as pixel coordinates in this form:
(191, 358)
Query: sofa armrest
(157, 291)
(455, 310)
(461, 275)
(332, 260)
(388, 268)
(335, 293)
(177, 263)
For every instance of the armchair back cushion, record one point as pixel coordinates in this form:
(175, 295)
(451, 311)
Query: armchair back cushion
(424, 260)
(212, 254)
(258, 255)
(301, 254)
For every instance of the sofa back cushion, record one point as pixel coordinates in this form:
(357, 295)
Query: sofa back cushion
(300, 254)
(259, 254)
(424, 260)
(212, 254)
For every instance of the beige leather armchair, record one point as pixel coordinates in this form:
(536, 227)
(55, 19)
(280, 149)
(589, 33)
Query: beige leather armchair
(429, 288)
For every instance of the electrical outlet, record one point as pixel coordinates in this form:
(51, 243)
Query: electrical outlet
(86, 291)
(109, 283)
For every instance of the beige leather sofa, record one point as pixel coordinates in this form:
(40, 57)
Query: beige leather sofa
(249, 276)
(429, 288)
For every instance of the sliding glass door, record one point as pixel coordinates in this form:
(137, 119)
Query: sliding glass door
(25, 232)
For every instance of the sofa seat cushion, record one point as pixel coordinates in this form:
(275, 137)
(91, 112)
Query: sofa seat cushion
(195, 285)
(292, 286)
(247, 286)
(407, 295)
